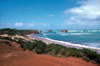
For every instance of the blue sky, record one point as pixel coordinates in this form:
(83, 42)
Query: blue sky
(50, 14)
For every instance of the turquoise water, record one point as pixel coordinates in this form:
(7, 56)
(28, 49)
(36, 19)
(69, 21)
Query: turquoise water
(83, 37)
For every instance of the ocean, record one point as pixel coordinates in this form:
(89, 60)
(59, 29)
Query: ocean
(82, 37)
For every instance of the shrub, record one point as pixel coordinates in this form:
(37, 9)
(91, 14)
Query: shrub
(1, 37)
(40, 45)
(48, 50)
(53, 52)
(38, 51)
(89, 53)
(62, 51)
(20, 41)
(8, 31)
(7, 38)
(11, 33)
(92, 55)
(28, 46)
(15, 38)
(55, 49)
(73, 53)
(6, 42)
(51, 48)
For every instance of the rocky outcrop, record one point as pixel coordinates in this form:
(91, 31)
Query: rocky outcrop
(49, 30)
(35, 32)
(64, 31)
(40, 31)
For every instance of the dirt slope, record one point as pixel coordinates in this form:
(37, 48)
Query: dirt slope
(29, 58)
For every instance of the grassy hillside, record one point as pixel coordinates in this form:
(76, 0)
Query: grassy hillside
(15, 31)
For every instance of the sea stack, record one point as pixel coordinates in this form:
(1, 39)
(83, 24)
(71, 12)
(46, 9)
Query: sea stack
(35, 32)
(49, 30)
(40, 31)
(64, 31)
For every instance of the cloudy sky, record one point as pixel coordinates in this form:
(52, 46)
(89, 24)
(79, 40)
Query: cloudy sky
(50, 14)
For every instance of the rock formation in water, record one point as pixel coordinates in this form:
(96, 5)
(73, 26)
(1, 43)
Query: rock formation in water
(40, 31)
(49, 30)
(35, 32)
(64, 31)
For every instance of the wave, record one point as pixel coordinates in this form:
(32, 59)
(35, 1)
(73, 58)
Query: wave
(75, 33)
(75, 30)
(92, 30)
(57, 32)
(72, 44)
(45, 34)
(98, 30)
(93, 44)
(83, 31)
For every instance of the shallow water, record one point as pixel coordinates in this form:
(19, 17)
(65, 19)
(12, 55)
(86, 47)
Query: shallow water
(82, 37)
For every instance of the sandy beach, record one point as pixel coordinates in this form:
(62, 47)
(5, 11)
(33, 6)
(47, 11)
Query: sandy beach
(67, 44)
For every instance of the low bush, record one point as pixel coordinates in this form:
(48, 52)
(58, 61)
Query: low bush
(40, 45)
(73, 53)
(7, 38)
(20, 41)
(15, 38)
(92, 55)
(62, 51)
(28, 46)
(38, 51)
(48, 50)
(6, 42)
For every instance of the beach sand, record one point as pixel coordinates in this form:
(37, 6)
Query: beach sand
(67, 44)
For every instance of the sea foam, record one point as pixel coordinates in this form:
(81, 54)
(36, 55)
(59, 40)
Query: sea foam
(75, 33)
(68, 43)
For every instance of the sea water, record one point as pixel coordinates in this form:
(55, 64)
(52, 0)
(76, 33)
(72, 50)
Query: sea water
(83, 37)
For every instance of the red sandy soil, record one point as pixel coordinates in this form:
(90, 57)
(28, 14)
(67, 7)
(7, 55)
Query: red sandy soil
(14, 56)
(7, 49)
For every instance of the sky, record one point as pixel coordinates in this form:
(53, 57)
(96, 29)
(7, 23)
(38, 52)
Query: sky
(50, 14)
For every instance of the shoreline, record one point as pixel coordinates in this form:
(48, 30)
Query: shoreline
(67, 44)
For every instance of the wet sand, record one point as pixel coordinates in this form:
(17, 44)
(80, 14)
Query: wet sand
(67, 44)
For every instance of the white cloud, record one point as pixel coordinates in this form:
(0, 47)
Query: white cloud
(18, 24)
(72, 18)
(36, 24)
(4, 24)
(25, 25)
(87, 13)
(50, 15)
